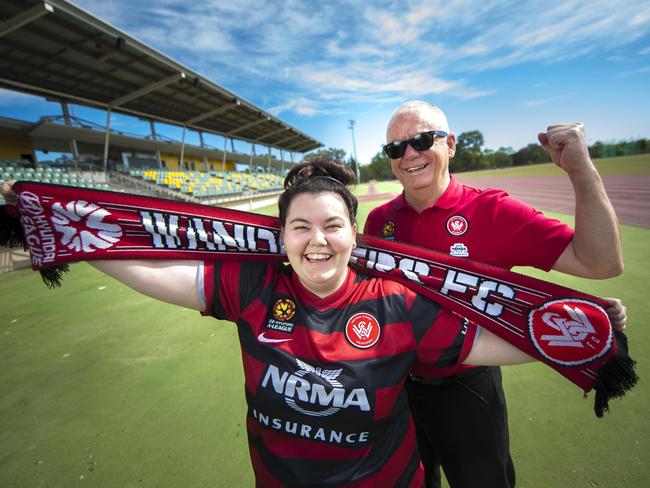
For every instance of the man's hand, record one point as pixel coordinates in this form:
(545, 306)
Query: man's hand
(567, 146)
(8, 193)
(617, 313)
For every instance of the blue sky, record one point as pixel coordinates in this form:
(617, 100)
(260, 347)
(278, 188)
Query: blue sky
(506, 68)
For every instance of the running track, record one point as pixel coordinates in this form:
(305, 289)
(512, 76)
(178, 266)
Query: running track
(630, 195)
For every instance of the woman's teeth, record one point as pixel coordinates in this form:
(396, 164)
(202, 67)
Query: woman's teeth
(317, 257)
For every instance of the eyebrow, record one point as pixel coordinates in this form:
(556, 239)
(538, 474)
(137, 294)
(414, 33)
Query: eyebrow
(300, 219)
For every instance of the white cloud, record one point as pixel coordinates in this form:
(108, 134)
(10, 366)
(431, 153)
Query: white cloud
(326, 55)
(544, 101)
(12, 98)
(300, 106)
(645, 69)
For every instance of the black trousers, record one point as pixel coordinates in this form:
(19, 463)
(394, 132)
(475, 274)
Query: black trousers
(462, 425)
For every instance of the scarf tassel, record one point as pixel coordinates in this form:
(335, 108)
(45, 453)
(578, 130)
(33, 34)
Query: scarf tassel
(11, 232)
(615, 377)
(12, 236)
(53, 275)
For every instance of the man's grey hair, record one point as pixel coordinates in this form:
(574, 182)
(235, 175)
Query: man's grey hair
(425, 110)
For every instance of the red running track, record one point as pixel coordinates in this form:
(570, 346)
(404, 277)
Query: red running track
(630, 195)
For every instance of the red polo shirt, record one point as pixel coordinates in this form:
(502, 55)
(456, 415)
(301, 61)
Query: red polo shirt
(482, 225)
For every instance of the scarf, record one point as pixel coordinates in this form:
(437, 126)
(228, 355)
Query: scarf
(564, 328)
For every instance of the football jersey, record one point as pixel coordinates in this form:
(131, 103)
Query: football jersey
(324, 376)
(482, 225)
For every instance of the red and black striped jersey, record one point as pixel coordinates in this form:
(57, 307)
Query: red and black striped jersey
(323, 376)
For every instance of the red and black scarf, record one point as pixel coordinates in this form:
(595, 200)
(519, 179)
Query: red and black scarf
(564, 328)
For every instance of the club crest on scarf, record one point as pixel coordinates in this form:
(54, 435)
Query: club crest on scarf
(79, 226)
(82, 227)
(562, 331)
(362, 330)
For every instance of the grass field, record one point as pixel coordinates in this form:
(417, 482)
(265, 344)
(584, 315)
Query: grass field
(103, 387)
(638, 165)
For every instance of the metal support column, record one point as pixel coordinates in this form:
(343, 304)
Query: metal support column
(250, 160)
(223, 160)
(154, 138)
(181, 163)
(205, 160)
(106, 138)
(73, 142)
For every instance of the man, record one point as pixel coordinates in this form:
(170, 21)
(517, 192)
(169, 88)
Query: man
(462, 419)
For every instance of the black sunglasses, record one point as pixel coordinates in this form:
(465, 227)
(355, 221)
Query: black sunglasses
(419, 142)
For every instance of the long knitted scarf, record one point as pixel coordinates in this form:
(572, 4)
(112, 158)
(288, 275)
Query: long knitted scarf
(566, 329)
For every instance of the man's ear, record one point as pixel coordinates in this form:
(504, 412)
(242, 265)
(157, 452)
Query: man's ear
(451, 145)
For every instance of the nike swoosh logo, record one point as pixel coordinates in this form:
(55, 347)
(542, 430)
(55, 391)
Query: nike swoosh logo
(263, 338)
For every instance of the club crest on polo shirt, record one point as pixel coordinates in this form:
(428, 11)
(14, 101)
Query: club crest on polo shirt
(459, 250)
(284, 309)
(388, 230)
(457, 225)
(362, 330)
(562, 331)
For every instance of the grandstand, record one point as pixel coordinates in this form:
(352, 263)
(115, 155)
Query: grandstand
(15, 170)
(54, 49)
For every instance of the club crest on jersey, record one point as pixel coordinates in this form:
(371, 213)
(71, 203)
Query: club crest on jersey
(362, 330)
(459, 250)
(562, 331)
(457, 225)
(388, 229)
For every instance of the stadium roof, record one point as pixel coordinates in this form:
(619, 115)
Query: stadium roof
(48, 135)
(56, 50)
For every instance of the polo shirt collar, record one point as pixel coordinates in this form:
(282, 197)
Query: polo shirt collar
(449, 198)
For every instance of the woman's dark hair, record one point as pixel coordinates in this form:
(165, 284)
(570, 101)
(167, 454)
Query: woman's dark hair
(317, 176)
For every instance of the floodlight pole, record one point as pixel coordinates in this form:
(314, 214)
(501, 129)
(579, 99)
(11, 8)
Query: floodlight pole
(354, 147)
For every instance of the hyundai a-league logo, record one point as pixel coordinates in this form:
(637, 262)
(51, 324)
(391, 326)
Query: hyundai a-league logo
(82, 226)
(284, 309)
(563, 331)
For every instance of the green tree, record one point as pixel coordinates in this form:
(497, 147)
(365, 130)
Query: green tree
(499, 159)
(531, 154)
(378, 169)
(469, 155)
(329, 153)
(596, 150)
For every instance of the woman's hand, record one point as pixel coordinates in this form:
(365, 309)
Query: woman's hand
(8, 193)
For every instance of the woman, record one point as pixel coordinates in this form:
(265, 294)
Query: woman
(325, 349)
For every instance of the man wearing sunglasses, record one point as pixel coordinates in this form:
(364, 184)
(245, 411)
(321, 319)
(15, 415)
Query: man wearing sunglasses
(461, 417)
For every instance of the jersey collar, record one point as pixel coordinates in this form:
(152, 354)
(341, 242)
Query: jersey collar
(309, 298)
(449, 198)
